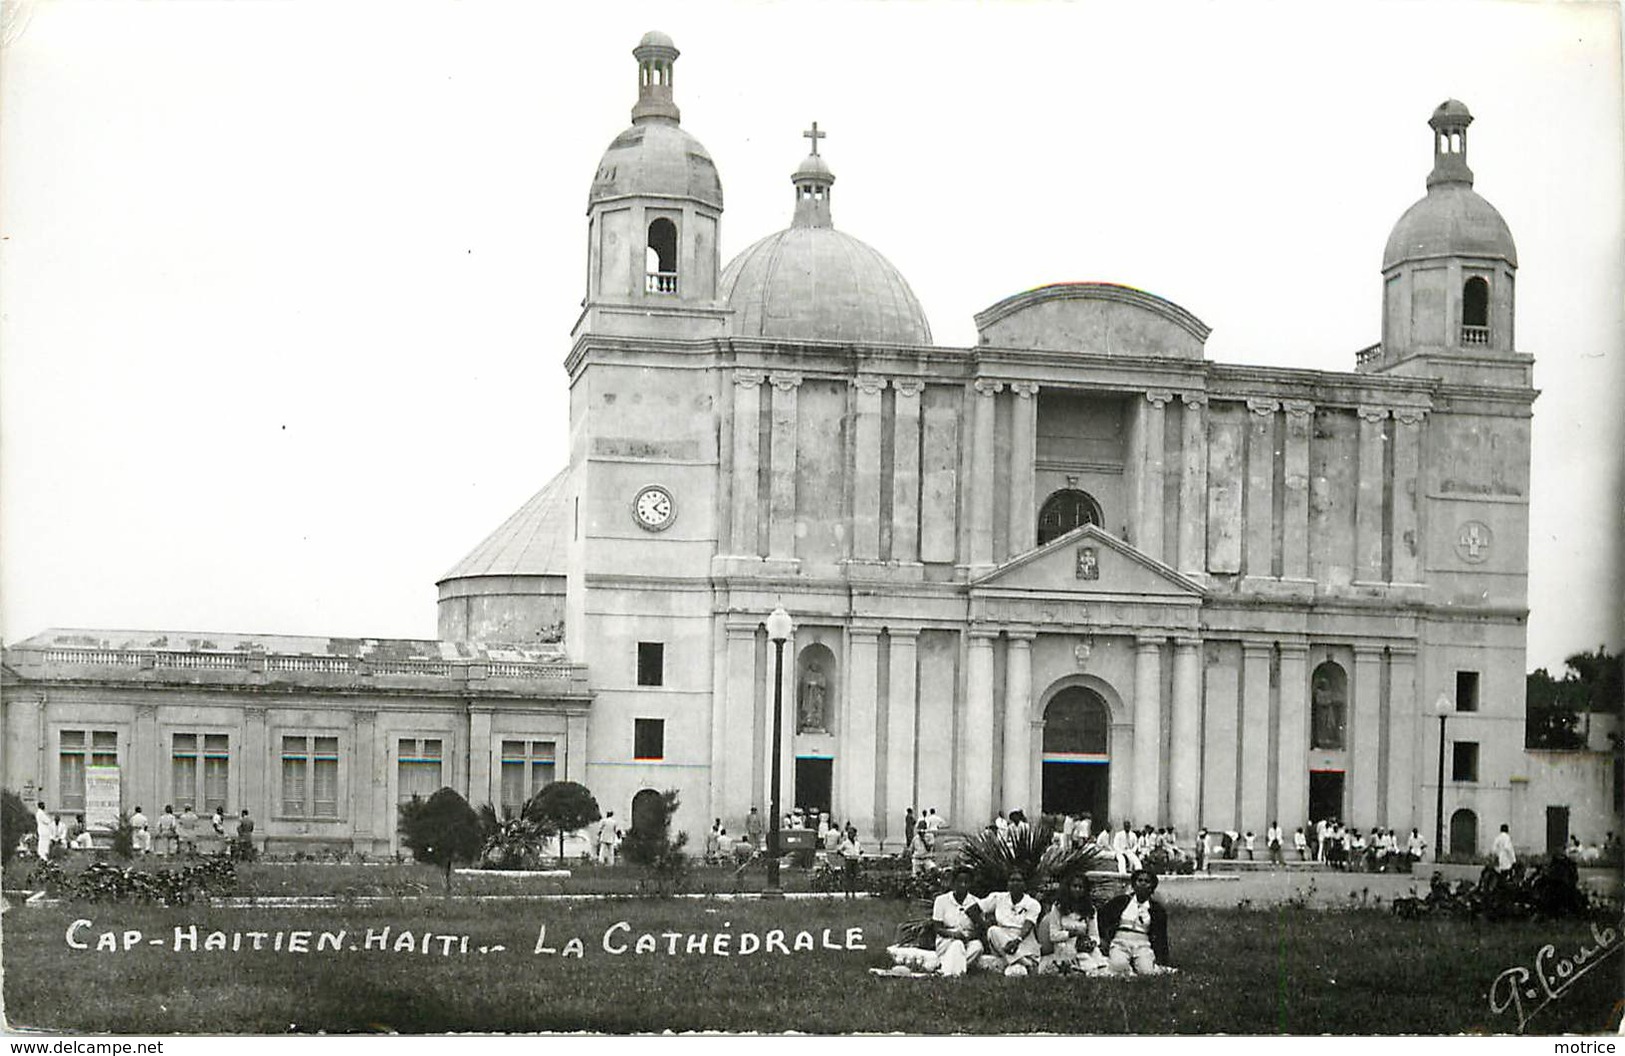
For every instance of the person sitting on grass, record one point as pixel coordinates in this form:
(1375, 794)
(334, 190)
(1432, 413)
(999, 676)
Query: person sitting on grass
(956, 921)
(1134, 928)
(1013, 920)
(1067, 936)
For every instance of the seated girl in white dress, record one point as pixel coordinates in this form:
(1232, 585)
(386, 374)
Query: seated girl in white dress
(1068, 935)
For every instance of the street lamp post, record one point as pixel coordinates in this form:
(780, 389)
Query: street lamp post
(1441, 707)
(778, 629)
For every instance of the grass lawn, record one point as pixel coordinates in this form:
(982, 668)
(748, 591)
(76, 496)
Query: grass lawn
(1285, 970)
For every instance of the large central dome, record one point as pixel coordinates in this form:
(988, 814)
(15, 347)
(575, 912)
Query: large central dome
(811, 282)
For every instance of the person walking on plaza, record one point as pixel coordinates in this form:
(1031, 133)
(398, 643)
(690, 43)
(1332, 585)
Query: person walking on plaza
(754, 829)
(1505, 855)
(608, 835)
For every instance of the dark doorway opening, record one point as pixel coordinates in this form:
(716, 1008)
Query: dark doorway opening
(813, 783)
(1325, 795)
(1464, 834)
(1077, 788)
(1557, 830)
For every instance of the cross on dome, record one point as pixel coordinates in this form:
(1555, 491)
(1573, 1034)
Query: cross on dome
(815, 135)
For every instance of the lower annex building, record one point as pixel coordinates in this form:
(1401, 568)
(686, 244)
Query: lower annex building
(1075, 567)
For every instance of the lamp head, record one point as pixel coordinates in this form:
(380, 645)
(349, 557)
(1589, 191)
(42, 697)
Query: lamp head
(779, 625)
(1444, 705)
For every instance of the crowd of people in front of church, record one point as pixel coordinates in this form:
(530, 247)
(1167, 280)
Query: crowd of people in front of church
(170, 835)
(1010, 932)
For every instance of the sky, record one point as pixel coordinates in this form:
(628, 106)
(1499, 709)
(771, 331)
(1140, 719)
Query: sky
(286, 288)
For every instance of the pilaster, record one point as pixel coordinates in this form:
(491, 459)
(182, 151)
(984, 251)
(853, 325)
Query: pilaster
(1193, 497)
(1292, 780)
(257, 758)
(1018, 725)
(1404, 742)
(1023, 511)
(976, 736)
(1368, 498)
(1185, 737)
(1255, 737)
(1260, 501)
(866, 468)
(746, 463)
(479, 757)
(1149, 515)
(782, 504)
(902, 692)
(1147, 730)
(733, 770)
(905, 502)
(857, 760)
(1295, 481)
(1364, 736)
(1407, 494)
(983, 468)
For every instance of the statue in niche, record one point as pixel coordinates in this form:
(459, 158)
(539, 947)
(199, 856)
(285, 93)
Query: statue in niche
(812, 712)
(1326, 717)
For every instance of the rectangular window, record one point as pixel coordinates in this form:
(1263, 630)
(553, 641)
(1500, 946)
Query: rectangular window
(651, 663)
(1466, 690)
(419, 768)
(648, 738)
(77, 749)
(310, 777)
(200, 770)
(1464, 761)
(527, 768)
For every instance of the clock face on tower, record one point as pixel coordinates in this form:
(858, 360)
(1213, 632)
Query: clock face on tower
(653, 508)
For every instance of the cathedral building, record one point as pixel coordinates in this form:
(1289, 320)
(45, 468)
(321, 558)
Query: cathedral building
(1075, 567)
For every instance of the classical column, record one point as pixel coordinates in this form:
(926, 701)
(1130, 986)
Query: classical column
(781, 544)
(976, 736)
(1147, 730)
(1292, 778)
(1260, 508)
(1404, 741)
(737, 772)
(1023, 512)
(905, 498)
(1193, 486)
(1300, 423)
(1148, 516)
(1407, 494)
(1255, 738)
(866, 468)
(1364, 739)
(746, 462)
(902, 682)
(858, 740)
(1185, 737)
(983, 469)
(1368, 497)
(1018, 725)
(369, 784)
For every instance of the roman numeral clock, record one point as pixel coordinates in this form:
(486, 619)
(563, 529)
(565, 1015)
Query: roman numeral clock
(653, 509)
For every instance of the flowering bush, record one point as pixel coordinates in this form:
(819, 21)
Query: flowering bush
(210, 875)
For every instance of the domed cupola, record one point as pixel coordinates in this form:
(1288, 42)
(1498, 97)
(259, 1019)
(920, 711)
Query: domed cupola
(811, 282)
(1449, 264)
(653, 215)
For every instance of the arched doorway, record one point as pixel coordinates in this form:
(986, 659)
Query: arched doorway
(1077, 754)
(648, 811)
(1464, 834)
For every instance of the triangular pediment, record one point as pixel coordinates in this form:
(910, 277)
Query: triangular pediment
(1090, 561)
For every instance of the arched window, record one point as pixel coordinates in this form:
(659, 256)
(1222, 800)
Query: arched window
(1064, 511)
(1328, 718)
(662, 257)
(1475, 312)
(1464, 833)
(1076, 723)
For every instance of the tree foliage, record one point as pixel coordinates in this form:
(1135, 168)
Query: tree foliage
(561, 807)
(1592, 682)
(441, 830)
(16, 821)
(651, 844)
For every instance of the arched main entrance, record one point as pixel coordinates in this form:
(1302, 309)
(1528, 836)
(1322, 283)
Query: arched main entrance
(1077, 754)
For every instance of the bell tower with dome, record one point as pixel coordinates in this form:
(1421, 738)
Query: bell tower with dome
(1448, 275)
(654, 214)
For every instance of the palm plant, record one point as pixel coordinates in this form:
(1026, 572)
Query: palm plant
(1031, 850)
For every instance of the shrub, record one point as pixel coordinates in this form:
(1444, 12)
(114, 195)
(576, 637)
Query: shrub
(561, 807)
(651, 845)
(104, 882)
(441, 830)
(508, 843)
(992, 856)
(16, 822)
